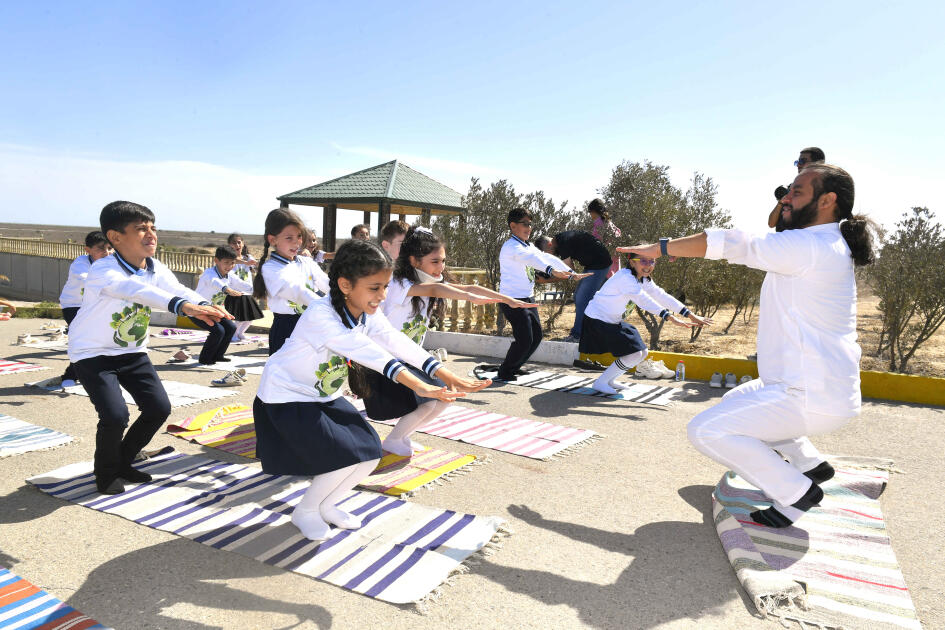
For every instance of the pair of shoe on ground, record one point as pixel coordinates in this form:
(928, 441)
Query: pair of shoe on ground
(730, 383)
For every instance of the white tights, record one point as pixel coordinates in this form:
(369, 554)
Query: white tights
(317, 510)
(399, 442)
(240, 329)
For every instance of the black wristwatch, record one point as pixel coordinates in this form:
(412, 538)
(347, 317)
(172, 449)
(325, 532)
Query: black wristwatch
(663, 243)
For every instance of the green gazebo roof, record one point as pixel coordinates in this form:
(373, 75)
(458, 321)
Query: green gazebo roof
(406, 190)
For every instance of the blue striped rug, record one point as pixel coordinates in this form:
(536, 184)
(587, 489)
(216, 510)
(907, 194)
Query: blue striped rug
(401, 553)
(18, 437)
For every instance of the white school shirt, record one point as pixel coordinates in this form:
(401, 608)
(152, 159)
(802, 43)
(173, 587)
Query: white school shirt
(71, 295)
(211, 284)
(312, 365)
(243, 272)
(610, 302)
(807, 317)
(518, 261)
(398, 308)
(291, 284)
(116, 306)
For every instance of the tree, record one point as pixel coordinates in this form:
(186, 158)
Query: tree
(910, 284)
(645, 205)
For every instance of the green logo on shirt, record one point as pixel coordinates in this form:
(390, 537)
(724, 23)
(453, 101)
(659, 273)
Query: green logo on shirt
(331, 375)
(627, 312)
(300, 308)
(530, 274)
(415, 329)
(131, 325)
(219, 298)
(241, 273)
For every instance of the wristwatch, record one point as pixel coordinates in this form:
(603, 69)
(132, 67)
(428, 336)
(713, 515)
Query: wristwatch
(663, 243)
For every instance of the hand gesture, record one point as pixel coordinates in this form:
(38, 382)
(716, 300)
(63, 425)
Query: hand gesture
(512, 302)
(680, 322)
(482, 299)
(440, 393)
(700, 321)
(207, 313)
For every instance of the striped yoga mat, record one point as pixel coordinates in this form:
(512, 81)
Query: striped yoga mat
(184, 334)
(509, 434)
(25, 606)
(252, 365)
(180, 394)
(18, 437)
(835, 567)
(402, 553)
(12, 367)
(581, 384)
(231, 429)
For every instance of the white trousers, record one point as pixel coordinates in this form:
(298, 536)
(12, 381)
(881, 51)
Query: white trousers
(752, 421)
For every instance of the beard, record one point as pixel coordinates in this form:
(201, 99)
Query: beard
(800, 217)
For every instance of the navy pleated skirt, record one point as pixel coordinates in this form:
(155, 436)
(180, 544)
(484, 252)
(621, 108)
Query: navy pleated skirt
(281, 329)
(618, 339)
(388, 400)
(311, 438)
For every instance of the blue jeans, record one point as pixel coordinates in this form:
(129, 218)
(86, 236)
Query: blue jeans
(585, 290)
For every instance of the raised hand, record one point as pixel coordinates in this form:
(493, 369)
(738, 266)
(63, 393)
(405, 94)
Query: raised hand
(700, 321)
(440, 393)
(681, 322)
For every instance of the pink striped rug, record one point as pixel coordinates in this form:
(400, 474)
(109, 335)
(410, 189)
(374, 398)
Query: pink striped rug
(11, 367)
(509, 434)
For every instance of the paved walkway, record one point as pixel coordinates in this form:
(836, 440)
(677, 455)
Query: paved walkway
(618, 535)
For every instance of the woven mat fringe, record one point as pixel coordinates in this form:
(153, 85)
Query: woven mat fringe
(71, 440)
(424, 605)
(575, 447)
(445, 477)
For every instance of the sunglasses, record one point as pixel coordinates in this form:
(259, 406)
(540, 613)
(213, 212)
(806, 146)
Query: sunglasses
(645, 261)
(525, 223)
(801, 162)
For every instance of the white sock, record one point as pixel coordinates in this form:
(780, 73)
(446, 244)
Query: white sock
(606, 382)
(330, 512)
(398, 441)
(306, 515)
(240, 329)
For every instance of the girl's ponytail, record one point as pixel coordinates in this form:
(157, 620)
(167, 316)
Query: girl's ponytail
(259, 283)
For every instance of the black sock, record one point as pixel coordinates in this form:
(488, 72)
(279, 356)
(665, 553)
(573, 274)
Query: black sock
(109, 485)
(820, 473)
(773, 518)
(132, 474)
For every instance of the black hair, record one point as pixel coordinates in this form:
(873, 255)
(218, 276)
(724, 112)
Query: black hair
(120, 214)
(94, 238)
(276, 221)
(634, 256)
(358, 227)
(517, 214)
(392, 229)
(232, 237)
(353, 260)
(419, 243)
(597, 205)
(816, 154)
(857, 229)
(225, 252)
(543, 241)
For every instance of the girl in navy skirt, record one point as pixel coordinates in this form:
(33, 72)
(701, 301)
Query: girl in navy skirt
(303, 425)
(416, 294)
(605, 331)
(288, 281)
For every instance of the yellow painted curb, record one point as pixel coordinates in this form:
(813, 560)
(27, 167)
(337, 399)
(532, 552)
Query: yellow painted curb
(925, 390)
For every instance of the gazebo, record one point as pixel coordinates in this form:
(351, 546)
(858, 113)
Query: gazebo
(389, 188)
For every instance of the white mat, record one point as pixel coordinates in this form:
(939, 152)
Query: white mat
(180, 394)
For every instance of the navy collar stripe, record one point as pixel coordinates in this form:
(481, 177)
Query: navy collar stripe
(520, 240)
(278, 258)
(131, 269)
(350, 320)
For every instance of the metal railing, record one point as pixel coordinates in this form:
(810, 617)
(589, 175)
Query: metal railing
(184, 262)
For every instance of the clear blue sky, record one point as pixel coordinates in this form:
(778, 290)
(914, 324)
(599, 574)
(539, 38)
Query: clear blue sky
(205, 111)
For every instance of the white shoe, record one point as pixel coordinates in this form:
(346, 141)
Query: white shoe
(646, 369)
(716, 380)
(60, 336)
(26, 340)
(729, 381)
(440, 354)
(231, 379)
(744, 379)
(660, 367)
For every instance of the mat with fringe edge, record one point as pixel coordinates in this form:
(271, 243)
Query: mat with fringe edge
(252, 365)
(581, 384)
(25, 606)
(18, 437)
(180, 394)
(231, 429)
(835, 568)
(401, 553)
(12, 367)
(509, 434)
(183, 334)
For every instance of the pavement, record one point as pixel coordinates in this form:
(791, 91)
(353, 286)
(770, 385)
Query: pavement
(616, 535)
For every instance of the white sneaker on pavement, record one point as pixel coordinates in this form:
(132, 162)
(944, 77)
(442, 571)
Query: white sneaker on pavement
(716, 380)
(646, 369)
(231, 379)
(744, 379)
(729, 381)
(660, 367)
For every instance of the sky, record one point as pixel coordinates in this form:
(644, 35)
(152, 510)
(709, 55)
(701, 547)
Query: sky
(207, 111)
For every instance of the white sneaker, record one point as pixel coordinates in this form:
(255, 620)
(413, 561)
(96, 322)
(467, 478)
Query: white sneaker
(660, 367)
(231, 379)
(729, 381)
(26, 340)
(716, 380)
(646, 369)
(744, 379)
(440, 354)
(59, 336)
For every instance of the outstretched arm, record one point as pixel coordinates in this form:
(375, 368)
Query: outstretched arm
(693, 246)
(449, 292)
(486, 292)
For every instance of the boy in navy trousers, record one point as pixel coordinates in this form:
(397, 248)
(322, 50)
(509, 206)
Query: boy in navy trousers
(108, 340)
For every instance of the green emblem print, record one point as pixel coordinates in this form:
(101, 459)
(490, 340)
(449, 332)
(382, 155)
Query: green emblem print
(219, 298)
(415, 329)
(242, 273)
(131, 325)
(331, 375)
(530, 273)
(300, 308)
(627, 312)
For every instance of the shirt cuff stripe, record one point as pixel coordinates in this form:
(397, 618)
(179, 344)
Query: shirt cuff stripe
(175, 305)
(549, 270)
(685, 312)
(664, 314)
(393, 368)
(431, 365)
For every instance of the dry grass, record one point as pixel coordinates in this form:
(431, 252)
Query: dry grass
(929, 360)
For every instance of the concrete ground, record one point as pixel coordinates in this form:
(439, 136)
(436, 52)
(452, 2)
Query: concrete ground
(617, 535)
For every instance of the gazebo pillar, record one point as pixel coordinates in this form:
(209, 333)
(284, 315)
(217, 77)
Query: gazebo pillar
(367, 218)
(283, 204)
(329, 217)
(425, 217)
(402, 217)
(383, 215)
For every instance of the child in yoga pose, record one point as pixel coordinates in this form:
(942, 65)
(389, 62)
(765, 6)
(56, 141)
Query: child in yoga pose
(416, 294)
(288, 281)
(605, 331)
(303, 425)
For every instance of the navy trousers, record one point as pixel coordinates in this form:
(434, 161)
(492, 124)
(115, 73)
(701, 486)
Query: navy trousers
(526, 332)
(218, 341)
